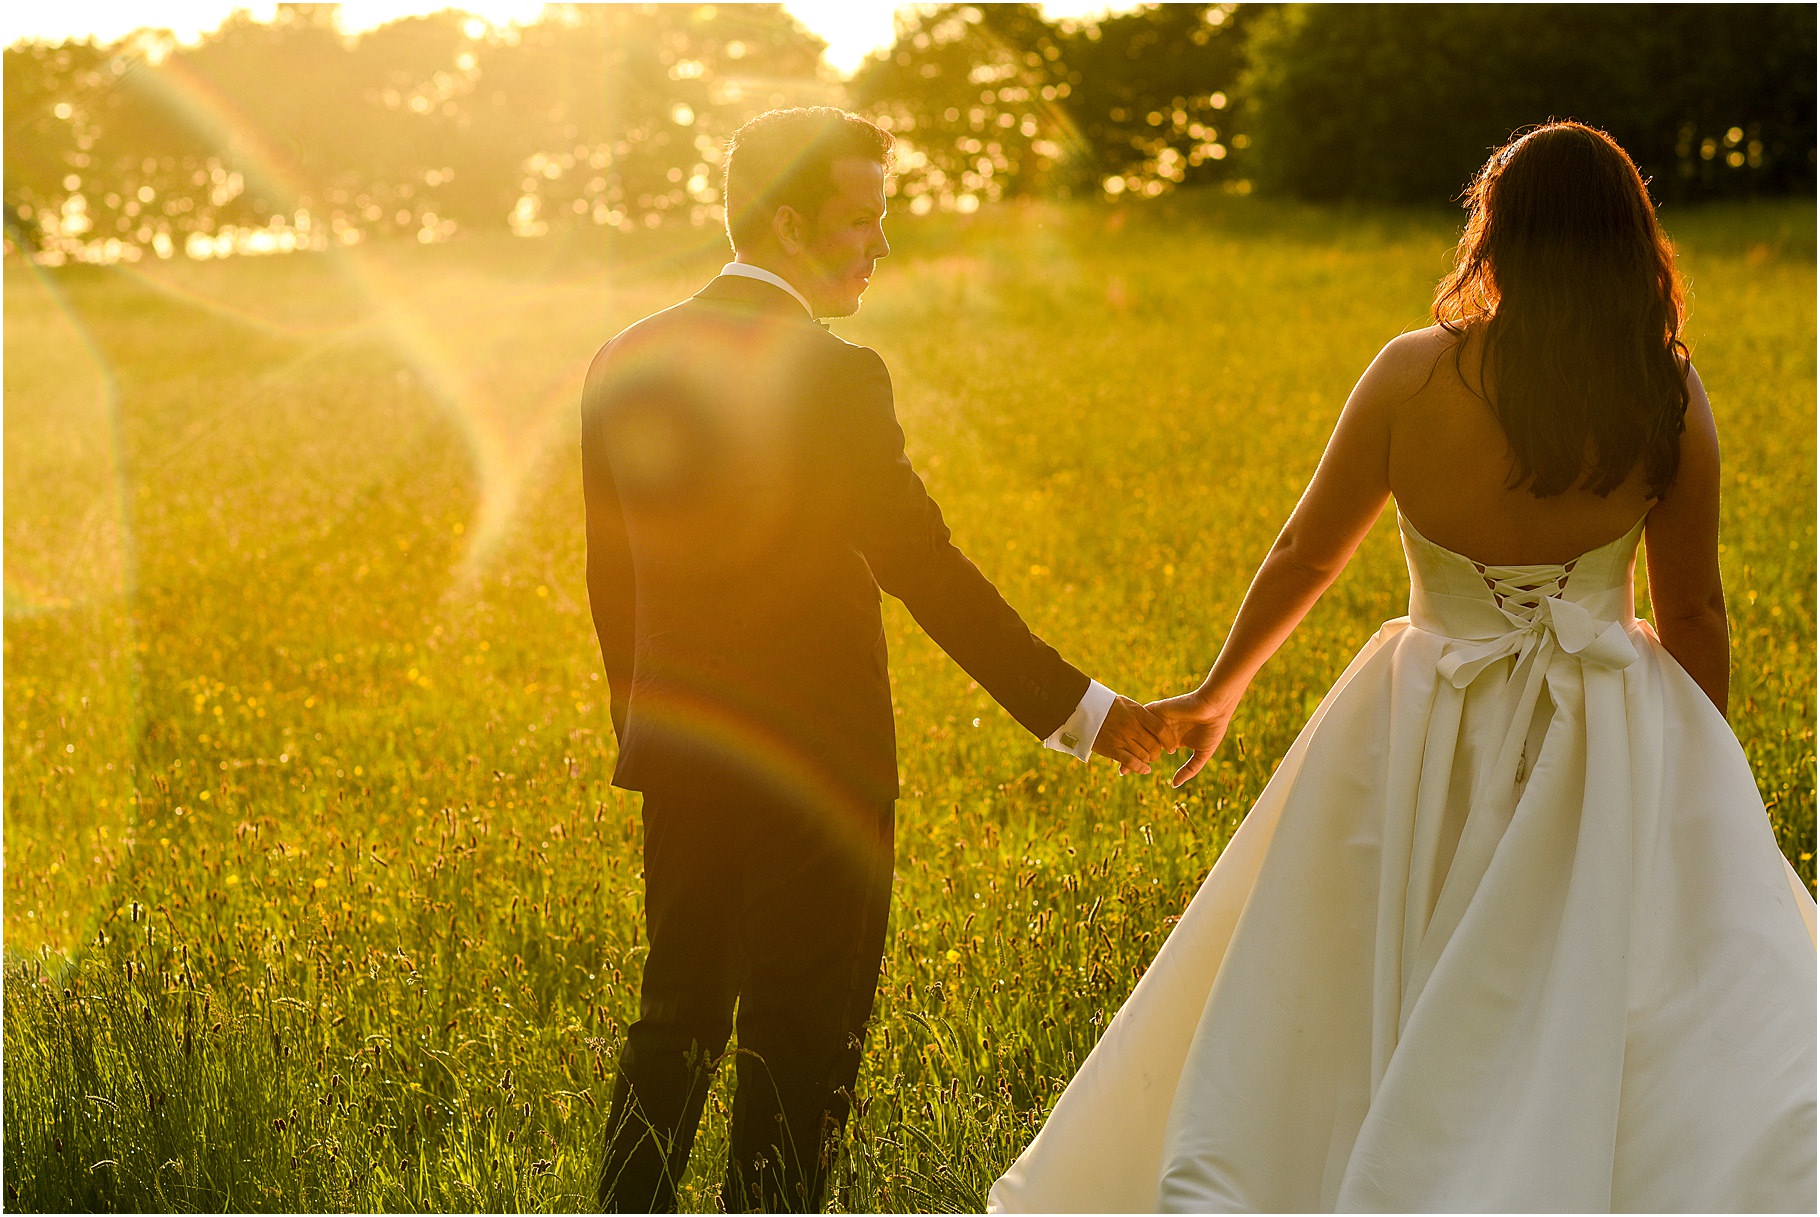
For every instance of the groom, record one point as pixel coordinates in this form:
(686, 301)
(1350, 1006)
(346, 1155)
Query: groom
(747, 498)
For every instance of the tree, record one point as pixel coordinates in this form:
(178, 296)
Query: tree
(974, 94)
(1403, 103)
(596, 114)
(49, 94)
(1154, 93)
(619, 114)
(994, 101)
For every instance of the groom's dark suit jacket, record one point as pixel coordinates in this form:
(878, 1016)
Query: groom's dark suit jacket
(747, 497)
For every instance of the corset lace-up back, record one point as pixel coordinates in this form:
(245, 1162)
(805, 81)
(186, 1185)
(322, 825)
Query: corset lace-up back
(1461, 597)
(1520, 590)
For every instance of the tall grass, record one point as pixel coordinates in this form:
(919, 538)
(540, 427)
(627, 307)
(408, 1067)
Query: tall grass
(317, 896)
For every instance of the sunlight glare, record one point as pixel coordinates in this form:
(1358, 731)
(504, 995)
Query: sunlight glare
(852, 28)
(357, 16)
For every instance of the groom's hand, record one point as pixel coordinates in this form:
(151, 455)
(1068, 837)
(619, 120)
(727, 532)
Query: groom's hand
(1131, 735)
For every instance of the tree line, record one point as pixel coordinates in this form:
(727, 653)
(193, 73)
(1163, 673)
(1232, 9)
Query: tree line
(287, 133)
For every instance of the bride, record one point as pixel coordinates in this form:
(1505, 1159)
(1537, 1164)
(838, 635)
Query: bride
(1508, 929)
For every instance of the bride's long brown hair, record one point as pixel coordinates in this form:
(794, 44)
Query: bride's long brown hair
(1573, 283)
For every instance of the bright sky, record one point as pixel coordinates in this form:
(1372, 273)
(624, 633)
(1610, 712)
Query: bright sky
(851, 27)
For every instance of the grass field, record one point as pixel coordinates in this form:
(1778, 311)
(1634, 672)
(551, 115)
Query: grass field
(316, 896)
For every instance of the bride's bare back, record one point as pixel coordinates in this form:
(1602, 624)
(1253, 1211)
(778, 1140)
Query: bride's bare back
(1414, 429)
(1449, 467)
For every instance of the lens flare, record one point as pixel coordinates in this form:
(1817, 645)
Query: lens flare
(503, 446)
(70, 579)
(63, 448)
(746, 743)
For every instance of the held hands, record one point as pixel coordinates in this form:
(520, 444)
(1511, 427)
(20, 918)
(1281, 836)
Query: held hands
(1136, 735)
(1131, 735)
(1195, 721)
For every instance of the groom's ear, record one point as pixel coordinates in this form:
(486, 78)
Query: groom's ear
(791, 231)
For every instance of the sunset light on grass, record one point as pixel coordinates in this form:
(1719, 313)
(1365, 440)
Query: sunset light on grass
(318, 894)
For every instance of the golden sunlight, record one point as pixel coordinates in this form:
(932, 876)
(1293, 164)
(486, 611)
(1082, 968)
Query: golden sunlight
(851, 28)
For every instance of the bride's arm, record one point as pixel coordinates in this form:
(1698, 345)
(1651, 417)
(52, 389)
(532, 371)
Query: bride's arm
(1337, 509)
(1682, 548)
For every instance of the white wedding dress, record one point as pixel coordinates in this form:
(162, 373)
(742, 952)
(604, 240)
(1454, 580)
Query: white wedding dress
(1508, 930)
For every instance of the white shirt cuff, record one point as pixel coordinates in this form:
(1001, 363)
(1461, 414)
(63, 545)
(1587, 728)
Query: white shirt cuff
(1076, 736)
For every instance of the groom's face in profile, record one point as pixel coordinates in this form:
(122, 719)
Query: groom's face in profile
(845, 238)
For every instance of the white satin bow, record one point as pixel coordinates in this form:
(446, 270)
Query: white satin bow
(1568, 625)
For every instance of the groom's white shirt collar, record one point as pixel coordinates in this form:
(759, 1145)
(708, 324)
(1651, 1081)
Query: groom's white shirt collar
(745, 270)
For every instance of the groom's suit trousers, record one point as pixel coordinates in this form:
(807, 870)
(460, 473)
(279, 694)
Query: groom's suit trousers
(756, 898)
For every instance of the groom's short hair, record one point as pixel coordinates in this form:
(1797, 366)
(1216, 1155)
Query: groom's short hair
(785, 158)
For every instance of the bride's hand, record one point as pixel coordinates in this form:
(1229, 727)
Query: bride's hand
(1196, 722)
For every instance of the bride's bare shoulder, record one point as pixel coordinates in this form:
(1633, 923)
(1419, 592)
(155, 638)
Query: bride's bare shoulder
(1417, 350)
(1411, 362)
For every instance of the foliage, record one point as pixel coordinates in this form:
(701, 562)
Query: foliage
(614, 115)
(994, 101)
(973, 93)
(1154, 93)
(1396, 102)
(285, 134)
(316, 895)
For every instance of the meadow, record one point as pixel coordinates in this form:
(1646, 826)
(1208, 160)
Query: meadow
(316, 893)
